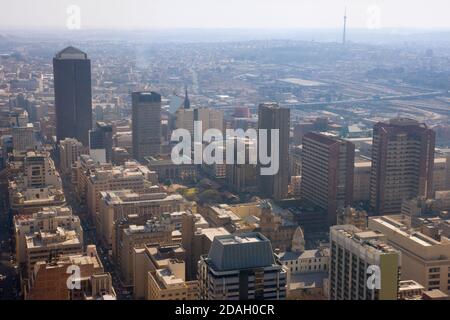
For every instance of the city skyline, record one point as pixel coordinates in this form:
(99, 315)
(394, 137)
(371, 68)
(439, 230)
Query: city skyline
(225, 164)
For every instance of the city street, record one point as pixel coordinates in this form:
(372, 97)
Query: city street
(8, 275)
(90, 237)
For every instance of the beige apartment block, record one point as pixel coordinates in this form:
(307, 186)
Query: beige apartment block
(44, 245)
(148, 258)
(26, 201)
(36, 183)
(170, 283)
(70, 150)
(425, 247)
(46, 220)
(129, 236)
(132, 176)
(160, 274)
(39, 171)
(118, 204)
(209, 118)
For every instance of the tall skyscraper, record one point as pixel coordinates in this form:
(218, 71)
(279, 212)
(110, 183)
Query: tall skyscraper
(327, 172)
(241, 267)
(272, 116)
(73, 97)
(362, 265)
(402, 164)
(146, 124)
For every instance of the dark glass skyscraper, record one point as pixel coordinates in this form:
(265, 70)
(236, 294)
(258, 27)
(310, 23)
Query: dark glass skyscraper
(272, 116)
(146, 124)
(73, 97)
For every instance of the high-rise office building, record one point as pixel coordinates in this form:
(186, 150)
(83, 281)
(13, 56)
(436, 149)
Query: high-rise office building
(146, 124)
(23, 138)
(73, 96)
(402, 164)
(241, 267)
(272, 116)
(101, 142)
(242, 177)
(362, 265)
(327, 172)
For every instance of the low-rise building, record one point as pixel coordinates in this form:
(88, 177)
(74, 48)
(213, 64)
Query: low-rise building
(52, 280)
(45, 236)
(425, 247)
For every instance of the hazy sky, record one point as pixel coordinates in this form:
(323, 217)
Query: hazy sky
(137, 14)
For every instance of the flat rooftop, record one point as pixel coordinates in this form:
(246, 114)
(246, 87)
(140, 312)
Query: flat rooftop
(397, 224)
(243, 251)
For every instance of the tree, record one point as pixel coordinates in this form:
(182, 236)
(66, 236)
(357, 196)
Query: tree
(210, 196)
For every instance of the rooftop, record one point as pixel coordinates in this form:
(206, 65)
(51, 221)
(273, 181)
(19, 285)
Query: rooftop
(71, 53)
(401, 225)
(371, 241)
(241, 251)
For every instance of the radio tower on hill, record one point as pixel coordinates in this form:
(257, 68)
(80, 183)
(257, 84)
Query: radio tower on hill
(345, 27)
